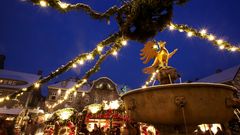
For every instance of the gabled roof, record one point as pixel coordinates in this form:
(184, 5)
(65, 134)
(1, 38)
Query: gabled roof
(17, 76)
(221, 77)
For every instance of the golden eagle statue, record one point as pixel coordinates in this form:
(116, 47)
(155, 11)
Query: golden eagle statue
(161, 56)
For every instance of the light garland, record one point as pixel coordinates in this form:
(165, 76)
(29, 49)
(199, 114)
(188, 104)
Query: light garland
(151, 79)
(65, 7)
(114, 38)
(113, 50)
(222, 44)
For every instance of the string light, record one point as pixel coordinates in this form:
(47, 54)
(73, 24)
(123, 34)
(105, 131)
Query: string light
(89, 56)
(114, 53)
(7, 98)
(152, 78)
(43, 3)
(99, 48)
(84, 80)
(203, 32)
(1, 99)
(204, 35)
(24, 89)
(211, 37)
(83, 94)
(114, 38)
(190, 34)
(67, 94)
(36, 85)
(63, 5)
(81, 62)
(75, 93)
(233, 49)
(124, 42)
(87, 74)
(221, 47)
(74, 65)
(59, 91)
(219, 42)
(171, 27)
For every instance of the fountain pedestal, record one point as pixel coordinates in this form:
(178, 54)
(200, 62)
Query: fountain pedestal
(173, 107)
(167, 75)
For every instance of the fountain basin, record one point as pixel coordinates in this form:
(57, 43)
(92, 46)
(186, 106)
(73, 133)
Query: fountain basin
(165, 104)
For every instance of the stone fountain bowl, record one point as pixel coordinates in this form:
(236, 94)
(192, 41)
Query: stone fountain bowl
(168, 104)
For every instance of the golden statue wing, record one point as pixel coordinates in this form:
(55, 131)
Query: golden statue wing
(148, 52)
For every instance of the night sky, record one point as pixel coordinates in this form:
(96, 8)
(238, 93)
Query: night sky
(35, 38)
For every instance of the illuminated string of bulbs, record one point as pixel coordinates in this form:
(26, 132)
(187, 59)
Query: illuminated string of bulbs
(79, 60)
(65, 7)
(114, 51)
(151, 79)
(67, 95)
(222, 44)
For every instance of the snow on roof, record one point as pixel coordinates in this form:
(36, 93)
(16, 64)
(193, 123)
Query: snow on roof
(18, 76)
(67, 84)
(224, 76)
(15, 111)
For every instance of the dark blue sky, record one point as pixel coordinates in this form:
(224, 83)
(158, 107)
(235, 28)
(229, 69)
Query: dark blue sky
(34, 38)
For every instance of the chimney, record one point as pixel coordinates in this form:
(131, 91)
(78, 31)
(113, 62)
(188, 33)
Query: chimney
(2, 59)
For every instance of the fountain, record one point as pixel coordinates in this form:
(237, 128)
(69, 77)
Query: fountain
(178, 108)
(172, 107)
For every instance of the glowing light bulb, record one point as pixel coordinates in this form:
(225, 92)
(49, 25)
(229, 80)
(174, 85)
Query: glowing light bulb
(190, 34)
(77, 86)
(74, 65)
(180, 30)
(1, 99)
(144, 86)
(89, 56)
(124, 42)
(84, 80)
(99, 48)
(75, 93)
(154, 73)
(220, 41)
(24, 89)
(203, 32)
(211, 37)
(221, 47)
(81, 62)
(7, 98)
(43, 3)
(114, 53)
(59, 91)
(83, 94)
(63, 5)
(171, 27)
(36, 85)
(233, 49)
